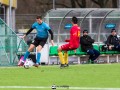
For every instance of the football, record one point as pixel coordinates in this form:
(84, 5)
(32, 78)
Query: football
(26, 65)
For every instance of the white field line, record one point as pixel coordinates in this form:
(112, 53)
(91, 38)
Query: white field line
(48, 87)
(24, 87)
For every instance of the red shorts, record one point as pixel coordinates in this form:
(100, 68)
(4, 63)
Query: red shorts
(67, 47)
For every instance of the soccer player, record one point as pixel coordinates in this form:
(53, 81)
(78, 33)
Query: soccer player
(41, 38)
(73, 43)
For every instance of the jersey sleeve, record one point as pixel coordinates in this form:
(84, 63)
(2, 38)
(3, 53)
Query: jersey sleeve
(47, 27)
(33, 25)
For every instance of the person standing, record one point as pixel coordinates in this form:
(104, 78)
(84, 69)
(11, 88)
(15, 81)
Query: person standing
(39, 41)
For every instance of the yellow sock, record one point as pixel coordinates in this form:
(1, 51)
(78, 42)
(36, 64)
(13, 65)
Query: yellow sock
(60, 54)
(66, 57)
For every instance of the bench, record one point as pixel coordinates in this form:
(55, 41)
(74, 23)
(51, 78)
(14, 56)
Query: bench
(79, 53)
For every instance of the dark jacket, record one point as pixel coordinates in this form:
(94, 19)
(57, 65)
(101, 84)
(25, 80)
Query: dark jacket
(113, 40)
(86, 43)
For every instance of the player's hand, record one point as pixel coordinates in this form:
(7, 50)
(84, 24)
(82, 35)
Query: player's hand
(75, 51)
(23, 36)
(52, 42)
(110, 47)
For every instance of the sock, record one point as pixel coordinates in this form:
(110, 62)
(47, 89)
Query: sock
(38, 58)
(60, 54)
(66, 57)
(26, 55)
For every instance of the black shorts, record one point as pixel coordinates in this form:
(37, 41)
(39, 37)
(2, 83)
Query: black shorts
(39, 41)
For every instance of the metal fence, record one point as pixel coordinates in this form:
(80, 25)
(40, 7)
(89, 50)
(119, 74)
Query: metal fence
(10, 45)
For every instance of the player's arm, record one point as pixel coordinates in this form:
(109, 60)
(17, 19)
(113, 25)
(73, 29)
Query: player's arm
(108, 40)
(67, 40)
(30, 30)
(51, 33)
(90, 39)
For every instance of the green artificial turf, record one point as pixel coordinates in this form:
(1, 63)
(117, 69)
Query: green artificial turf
(88, 75)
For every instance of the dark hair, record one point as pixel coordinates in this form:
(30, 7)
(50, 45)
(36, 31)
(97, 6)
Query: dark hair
(85, 31)
(74, 20)
(113, 30)
(39, 17)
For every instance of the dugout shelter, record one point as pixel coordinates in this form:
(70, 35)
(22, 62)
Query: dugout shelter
(98, 22)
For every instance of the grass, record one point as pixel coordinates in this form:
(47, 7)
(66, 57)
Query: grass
(88, 75)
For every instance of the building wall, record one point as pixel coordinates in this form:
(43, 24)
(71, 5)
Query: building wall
(7, 12)
(6, 2)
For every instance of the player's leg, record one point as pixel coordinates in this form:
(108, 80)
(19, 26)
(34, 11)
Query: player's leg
(61, 57)
(27, 54)
(34, 44)
(91, 53)
(39, 48)
(66, 58)
(64, 47)
(117, 48)
(68, 47)
(96, 54)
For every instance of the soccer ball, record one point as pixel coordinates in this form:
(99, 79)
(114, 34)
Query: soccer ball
(26, 65)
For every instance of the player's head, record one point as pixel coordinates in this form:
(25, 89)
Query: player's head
(113, 32)
(85, 32)
(74, 20)
(39, 19)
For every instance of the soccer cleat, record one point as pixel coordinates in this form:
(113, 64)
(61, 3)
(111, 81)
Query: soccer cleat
(62, 66)
(36, 65)
(21, 64)
(66, 65)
